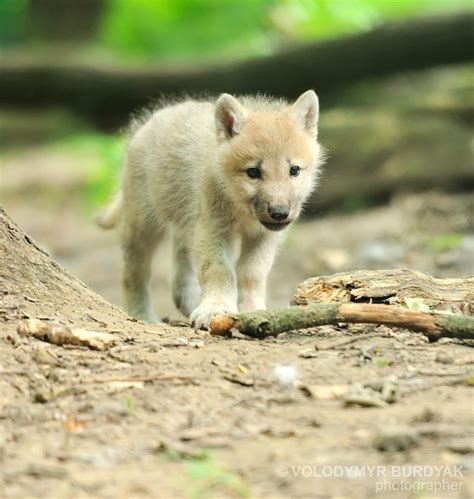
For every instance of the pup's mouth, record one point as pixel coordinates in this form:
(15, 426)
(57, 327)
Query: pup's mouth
(275, 226)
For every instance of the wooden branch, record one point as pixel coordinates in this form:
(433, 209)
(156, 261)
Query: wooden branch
(390, 287)
(60, 334)
(108, 94)
(263, 323)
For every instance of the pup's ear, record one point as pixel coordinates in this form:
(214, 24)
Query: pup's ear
(305, 112)
(230, 116)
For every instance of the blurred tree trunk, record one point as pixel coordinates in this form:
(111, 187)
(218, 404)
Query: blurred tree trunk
(411, 142)
(107, 95)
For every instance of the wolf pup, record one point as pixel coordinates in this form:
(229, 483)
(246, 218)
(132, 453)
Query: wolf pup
(227, 177)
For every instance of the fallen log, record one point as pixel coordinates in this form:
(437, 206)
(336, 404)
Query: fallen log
(263, 323)
(391, 287)
(108, 94)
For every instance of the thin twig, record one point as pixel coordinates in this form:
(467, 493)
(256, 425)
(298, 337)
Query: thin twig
(156, 377)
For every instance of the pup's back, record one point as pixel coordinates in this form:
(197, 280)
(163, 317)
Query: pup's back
(167, 154)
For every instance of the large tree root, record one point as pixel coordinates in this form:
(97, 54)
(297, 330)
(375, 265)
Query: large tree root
(263, 323)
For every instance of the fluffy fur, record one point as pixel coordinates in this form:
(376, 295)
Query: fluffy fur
(187, 170)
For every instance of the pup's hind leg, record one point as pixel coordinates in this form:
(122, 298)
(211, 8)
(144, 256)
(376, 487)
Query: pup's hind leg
(139, 241)
(185, 284)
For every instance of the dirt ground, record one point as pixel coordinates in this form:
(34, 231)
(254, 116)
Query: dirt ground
(237, 417)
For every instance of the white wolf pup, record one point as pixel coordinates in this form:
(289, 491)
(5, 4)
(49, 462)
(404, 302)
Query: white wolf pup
(226, 177)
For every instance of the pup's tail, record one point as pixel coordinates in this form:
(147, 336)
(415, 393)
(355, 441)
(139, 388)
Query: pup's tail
(110, 217)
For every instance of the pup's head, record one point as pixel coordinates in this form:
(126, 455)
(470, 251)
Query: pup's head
(268, 155)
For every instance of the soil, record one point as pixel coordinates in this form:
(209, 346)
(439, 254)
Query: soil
(232, 417)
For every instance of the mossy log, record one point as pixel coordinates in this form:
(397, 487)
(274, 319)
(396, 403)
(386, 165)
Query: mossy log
(263, 323)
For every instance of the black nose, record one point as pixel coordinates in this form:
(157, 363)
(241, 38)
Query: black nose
(278, 213)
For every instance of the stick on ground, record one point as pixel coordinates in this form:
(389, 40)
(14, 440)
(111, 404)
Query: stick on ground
(263, 323)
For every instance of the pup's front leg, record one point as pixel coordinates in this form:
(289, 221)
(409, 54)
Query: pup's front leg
(216, 278)
(256, 259)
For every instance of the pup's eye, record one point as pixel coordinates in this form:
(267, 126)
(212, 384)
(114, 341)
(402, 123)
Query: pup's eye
(295, 171)
(254, 172)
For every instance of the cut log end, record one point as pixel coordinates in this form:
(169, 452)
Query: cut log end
(221, 325)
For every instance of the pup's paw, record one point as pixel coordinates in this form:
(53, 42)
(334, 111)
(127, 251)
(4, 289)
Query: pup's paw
(201, 317)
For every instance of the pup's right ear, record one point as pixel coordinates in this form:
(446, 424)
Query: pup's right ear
(230, 116)
(305, 112)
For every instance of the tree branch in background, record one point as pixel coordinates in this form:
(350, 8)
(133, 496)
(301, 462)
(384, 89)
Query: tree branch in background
(107, 95)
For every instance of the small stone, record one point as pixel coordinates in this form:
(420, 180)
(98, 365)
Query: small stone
(235, 333)
(44, 355)
(365, 400)
(308, 353)
(179, 341)
(427, 415)
(367, 353)
(365, 397)
(461, 445)
(388, 387)
(444, 358)
(196, 342)
(396, 439)
(323, 392)
(240, 379)
(41, 395)
(390, 391)
(46, 471)
(279, 432)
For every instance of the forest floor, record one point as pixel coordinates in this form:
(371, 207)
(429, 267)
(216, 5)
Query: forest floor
(226, 421)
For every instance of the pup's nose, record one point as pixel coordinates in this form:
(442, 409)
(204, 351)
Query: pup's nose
(278, 213)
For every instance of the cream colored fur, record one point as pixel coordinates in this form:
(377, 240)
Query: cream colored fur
(186, 171)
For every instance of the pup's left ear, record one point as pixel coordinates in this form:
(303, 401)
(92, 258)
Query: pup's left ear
(230, 116)
(305, 112)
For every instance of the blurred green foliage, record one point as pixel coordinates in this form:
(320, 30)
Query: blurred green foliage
(184, 28)
(173, 29)
(108, 152)
(206, 477)
(12, 20)
(446, 242)
(177, 30)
